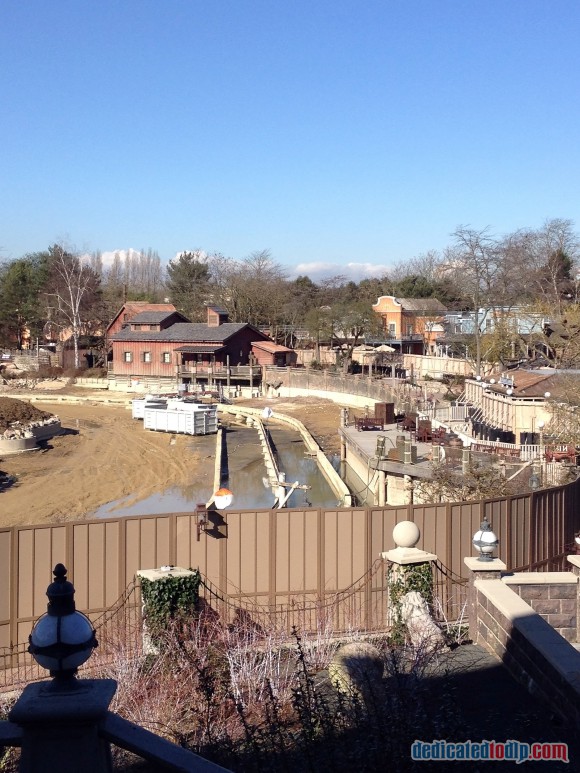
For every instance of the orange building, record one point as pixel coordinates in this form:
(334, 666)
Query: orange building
(411, 325)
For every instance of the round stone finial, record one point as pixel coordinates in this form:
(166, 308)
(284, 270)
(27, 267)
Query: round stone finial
(406, 534)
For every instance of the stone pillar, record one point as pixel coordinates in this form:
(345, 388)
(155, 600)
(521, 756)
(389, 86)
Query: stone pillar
(408, 488)
(157, 575)
(342, 449)
(382, 492)
(465, 460)
(406, 535)
(479, 570)
(61, 727)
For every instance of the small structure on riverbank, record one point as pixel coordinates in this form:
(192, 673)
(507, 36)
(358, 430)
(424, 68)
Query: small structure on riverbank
(23, 427)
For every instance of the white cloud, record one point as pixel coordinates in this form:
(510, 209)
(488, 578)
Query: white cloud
(109, 256)
(201, 255)
(354, 271)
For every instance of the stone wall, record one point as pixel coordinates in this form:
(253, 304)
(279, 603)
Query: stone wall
(425, 365)
(553, 595)
(535, 654)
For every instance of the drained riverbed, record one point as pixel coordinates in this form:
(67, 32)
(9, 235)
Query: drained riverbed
(244, 475)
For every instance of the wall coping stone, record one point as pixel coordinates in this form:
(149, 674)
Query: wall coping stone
(561, 655)
(406, 556)
(506, 601)
(162, 574)
(574, 560)
(475, 565)
(541, 578)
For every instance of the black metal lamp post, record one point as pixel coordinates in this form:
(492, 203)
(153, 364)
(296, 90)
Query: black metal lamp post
(62, 639)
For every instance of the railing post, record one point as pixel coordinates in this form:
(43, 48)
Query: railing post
(60, 729)
(479, 570)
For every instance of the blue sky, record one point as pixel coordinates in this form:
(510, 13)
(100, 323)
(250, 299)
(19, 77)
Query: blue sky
(343, 136)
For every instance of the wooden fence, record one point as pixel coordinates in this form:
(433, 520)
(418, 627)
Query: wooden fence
(268, 557)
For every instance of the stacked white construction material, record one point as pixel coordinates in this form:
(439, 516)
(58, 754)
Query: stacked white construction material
(149, 401)
(182, 418)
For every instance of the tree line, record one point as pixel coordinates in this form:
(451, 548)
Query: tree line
(534, 269)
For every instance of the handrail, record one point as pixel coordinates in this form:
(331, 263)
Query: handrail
(153, 748)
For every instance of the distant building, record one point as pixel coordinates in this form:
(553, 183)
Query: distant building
(514, 406)
(157, 344)
(411, 325)
(130, 309)
(524, 327)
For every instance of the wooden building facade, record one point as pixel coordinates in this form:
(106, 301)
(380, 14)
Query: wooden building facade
(270, 353)
(164, 344)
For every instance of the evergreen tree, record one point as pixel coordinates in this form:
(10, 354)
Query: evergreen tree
(21, 306)
(188, 278)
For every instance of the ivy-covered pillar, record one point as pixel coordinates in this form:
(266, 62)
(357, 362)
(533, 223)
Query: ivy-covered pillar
(408, 569)
(169, 595)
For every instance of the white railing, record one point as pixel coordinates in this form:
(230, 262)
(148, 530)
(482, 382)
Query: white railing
(443, 413)
(526, 453)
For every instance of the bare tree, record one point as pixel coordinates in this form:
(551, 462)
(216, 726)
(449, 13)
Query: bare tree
(72, 285)
(253, 290)
(478, 481)
(475, 262)
(555, 250)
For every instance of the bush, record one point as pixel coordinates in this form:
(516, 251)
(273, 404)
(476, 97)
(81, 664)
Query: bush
(250, 700)
(47, 371)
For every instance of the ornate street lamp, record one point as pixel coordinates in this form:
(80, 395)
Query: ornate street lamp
(222, 498)
(62, 639)
(485, 541)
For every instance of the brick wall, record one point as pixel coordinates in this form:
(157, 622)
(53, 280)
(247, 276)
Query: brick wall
(553, 595)
(534, 653)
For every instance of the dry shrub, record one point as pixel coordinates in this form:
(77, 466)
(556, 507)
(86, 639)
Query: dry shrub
(251, 697)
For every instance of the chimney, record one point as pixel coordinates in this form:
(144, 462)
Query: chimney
(216, 316)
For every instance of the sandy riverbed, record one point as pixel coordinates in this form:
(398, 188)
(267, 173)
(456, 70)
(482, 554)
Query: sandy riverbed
(104, 455)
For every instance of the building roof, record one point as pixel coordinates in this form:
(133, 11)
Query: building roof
(429, 305)
(270, 346)
(154, 317)
(200, 349)
(217, 309)
(130, 308)
(188, 332)
(535, 383)
(422, 304)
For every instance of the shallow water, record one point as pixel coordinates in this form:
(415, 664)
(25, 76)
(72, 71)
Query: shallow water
(246, 474)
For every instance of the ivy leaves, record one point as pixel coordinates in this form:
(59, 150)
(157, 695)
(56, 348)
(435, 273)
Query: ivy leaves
(401, 579)
(169, 600)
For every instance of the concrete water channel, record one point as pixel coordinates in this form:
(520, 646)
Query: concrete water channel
(244, 474)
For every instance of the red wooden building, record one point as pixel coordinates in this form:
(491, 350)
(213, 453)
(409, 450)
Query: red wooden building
(270, 353)
(129, 310)
(163, 344)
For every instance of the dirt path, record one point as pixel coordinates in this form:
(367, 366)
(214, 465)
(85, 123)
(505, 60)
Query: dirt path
(105, 455)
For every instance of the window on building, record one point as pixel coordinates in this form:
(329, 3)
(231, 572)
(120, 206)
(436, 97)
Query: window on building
(165, 356)
(392, 329)
(409, 330)
(146, 356)
(128, 356)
